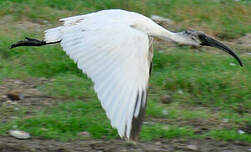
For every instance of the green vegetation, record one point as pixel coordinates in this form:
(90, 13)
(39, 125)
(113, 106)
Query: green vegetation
(205, 89)
(229, 135)
(67, 120)
(157, 131)
(227, 18)
(203, 79)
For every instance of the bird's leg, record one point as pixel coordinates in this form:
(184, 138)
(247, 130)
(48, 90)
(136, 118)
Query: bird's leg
(31, 42)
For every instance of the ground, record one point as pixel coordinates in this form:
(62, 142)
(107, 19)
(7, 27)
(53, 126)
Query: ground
(32, 98)
(199, 98)
(8, 144)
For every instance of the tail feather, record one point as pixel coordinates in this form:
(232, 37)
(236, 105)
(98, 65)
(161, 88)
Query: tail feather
(53, 35)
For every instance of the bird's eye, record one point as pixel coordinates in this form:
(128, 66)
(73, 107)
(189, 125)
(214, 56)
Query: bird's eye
(187, 32)
(193, 38)
(201, 36)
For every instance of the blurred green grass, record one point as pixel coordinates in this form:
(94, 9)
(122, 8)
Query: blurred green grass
(227, 18)
(202, 85)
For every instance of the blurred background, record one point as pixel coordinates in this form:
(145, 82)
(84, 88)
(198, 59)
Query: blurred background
(199, 98)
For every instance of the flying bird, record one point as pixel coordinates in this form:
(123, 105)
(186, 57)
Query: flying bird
(114, 48)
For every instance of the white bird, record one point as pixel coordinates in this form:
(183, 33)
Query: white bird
(114, 48)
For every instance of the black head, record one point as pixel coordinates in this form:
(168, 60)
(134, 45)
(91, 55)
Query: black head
(199, 38)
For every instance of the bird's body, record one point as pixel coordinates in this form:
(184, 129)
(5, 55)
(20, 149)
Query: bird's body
(116, 55)
(114, 48)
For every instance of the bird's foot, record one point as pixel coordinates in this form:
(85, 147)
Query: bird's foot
(28, 42)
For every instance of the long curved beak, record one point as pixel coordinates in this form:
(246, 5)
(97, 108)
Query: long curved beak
(208, 41)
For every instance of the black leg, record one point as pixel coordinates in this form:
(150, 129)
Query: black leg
(31, 42)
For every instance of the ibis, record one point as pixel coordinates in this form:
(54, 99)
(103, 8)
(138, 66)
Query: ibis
(114, 48)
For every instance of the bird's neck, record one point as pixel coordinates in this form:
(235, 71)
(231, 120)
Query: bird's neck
(155, 30)
(166, 35)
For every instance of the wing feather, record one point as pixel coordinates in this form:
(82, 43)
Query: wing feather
(116, 59)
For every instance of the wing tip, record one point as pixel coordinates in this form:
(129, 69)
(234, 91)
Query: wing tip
(132, 134)
(137, 121)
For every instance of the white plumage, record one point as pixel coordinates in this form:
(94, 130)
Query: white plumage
(114, 48)
(115, 55)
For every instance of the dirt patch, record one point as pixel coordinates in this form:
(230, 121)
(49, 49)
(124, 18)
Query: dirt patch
(7, 23)
(200, 125)
(8, 144)
(245, 40)
(17, 94)
(242, 44)
(26, 91)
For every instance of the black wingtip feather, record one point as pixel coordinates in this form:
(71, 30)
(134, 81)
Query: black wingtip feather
(138, 121)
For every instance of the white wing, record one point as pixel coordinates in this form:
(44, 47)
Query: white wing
(116, 58)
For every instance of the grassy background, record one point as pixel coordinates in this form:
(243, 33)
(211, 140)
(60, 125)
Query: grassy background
(204, 87)
(227, 18)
